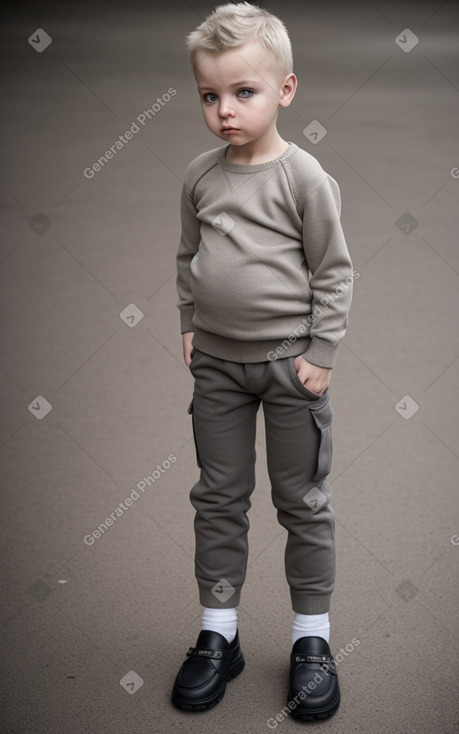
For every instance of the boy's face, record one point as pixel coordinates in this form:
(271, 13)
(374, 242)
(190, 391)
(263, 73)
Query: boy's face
(240, 94)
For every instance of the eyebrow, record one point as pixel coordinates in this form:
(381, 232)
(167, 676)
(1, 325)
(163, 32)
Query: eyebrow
(243, 83)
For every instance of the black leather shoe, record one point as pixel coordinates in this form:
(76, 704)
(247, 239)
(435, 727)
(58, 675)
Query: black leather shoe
(201, 681)
(313, 680)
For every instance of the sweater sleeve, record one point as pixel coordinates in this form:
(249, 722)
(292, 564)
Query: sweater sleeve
(330, 271)
(188, 247)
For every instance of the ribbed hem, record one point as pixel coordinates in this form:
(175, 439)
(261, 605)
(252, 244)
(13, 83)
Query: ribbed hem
(310, 604)
(208, 599)
(249, 351)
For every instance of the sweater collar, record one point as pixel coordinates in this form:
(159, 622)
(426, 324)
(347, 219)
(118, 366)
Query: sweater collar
(238, 168)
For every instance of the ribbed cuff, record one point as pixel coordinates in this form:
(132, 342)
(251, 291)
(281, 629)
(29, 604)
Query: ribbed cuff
(186, 319)
(310, 604)
(210, 600)
(321, 352)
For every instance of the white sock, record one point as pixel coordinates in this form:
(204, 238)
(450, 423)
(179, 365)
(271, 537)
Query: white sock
(311, 625)
(223, 621)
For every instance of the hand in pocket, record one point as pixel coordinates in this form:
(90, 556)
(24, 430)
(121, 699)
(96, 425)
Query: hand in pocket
(316, 379)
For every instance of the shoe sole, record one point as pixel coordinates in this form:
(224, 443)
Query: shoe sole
(206, 704)
(318, 715)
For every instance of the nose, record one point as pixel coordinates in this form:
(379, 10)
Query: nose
(225, 108)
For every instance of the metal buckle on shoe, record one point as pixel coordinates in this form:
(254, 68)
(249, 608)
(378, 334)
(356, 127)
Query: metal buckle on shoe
(313, 658)
(199, 652)
(325, 662)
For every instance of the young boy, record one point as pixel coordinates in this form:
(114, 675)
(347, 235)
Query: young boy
(264, 281)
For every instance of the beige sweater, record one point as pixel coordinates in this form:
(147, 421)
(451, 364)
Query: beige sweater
(263, 271)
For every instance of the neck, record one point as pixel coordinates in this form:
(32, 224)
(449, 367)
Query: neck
(257, 151)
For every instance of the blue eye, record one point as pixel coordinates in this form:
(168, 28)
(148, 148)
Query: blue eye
(245, 93)
(209, 95)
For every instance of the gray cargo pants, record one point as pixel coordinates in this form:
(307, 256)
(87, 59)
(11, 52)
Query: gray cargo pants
(225, 402)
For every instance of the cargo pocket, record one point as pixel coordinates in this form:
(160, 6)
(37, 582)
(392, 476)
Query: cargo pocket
(323, 416)
(191, 412)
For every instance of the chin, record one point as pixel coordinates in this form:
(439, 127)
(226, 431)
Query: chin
(227, 139)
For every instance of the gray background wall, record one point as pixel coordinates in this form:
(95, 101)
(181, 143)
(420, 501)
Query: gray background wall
(76, 252)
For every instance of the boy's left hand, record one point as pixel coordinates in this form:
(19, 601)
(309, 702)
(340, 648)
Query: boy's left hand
(315, 378)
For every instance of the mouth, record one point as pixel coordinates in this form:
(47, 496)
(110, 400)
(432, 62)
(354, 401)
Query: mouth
(230, 129)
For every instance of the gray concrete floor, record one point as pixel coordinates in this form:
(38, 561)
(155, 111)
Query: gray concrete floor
(76, 252)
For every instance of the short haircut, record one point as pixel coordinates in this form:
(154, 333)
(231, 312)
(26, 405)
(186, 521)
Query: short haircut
(234, 24)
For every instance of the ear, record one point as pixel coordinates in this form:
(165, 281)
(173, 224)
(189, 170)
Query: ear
(287, 89)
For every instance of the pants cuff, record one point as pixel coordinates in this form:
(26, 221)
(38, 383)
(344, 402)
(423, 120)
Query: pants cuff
(310, 604)
(211, 600)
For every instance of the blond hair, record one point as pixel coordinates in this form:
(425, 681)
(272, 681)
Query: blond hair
(234, 24)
